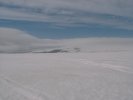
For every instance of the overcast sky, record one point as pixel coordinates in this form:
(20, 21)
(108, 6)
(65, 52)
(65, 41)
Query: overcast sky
(69, 18)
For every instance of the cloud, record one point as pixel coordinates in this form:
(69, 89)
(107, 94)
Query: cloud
(114, 13)
(117, 7)
(17, 41)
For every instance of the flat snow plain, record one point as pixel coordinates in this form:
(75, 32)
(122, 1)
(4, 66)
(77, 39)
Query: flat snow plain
(67, 76)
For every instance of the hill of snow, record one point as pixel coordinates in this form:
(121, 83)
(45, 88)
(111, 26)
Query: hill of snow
(13, 40)
(16, 41)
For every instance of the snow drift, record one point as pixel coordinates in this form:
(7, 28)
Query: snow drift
(16, 41)
(13, 40)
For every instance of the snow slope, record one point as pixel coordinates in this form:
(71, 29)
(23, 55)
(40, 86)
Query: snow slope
(17, 41)
(101, 70)
(67, 76)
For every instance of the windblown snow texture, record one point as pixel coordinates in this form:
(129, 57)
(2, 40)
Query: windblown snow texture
(67, 76)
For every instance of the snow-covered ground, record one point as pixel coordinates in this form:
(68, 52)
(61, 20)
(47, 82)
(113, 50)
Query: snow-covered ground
(67, 76)
(91, 69)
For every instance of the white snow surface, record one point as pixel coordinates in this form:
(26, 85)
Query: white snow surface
(101, 70)
(18, 41)
(67, 76)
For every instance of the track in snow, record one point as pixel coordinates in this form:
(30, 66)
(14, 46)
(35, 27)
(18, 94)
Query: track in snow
(14, 91)
(109, 66)
(105, 65)
(63, 77)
